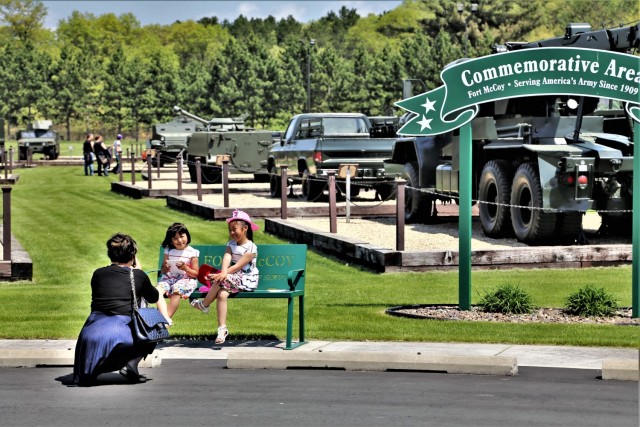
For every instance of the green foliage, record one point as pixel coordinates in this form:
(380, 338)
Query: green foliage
(106, 73)
(507, 299)
(591, 301)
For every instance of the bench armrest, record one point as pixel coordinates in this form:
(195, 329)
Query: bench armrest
(294, 278)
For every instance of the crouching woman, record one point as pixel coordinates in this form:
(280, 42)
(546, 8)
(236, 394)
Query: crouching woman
(106, 341)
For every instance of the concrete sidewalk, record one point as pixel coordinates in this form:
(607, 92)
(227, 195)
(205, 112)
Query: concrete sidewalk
(493, 359)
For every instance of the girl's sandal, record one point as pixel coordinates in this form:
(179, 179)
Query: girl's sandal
(223, 332)
(198, 305)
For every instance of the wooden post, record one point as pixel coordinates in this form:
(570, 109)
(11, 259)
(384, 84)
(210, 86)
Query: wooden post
(133, 168)
(198, 179)
(333, 214)
(120, 168)
(11, 160)
(400, 215)
(149, 173)
(158, 162)
(180, 175)
(283, 192)
(6, 223)
(29, 156)
(225, 182)
(6, 166)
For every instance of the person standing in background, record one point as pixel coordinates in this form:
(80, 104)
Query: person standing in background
(102, 155)
(87, 152)
(117, 153)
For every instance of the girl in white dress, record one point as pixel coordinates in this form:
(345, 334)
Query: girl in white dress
(179, 267)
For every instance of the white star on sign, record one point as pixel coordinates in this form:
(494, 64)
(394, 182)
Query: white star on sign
(428, 106)
(424, 123)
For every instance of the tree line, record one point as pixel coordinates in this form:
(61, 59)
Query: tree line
(109, 72)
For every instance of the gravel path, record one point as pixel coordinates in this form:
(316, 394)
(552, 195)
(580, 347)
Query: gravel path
(541, 315)
(381, 232)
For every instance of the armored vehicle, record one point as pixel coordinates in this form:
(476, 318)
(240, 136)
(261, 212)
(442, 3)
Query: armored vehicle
(539, 162)
(40, 137)
(170, 138)
(246, 148)
(316, 143)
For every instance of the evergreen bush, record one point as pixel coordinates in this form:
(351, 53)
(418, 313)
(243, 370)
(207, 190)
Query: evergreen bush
(507, 299)
(590, 301)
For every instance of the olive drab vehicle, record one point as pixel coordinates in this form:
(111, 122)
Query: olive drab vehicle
(247, 150)
(40, 137)
(170, 139)
(560, 155)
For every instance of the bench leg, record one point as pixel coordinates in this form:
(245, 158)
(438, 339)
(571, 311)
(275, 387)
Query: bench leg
(289, 323)
(290, 345)
(301, 317)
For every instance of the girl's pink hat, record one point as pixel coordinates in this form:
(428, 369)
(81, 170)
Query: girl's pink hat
(242, 216)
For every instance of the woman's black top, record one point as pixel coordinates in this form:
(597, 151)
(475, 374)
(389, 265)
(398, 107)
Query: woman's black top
(86, 147)
(111, 289)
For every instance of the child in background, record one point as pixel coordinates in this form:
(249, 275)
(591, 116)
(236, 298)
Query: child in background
(179, 267)
(238, 273)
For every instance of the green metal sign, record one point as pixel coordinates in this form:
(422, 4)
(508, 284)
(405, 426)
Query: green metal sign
(543, 71)
(528, 72)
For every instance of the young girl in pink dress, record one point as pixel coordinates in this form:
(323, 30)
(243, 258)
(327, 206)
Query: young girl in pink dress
(238, 273)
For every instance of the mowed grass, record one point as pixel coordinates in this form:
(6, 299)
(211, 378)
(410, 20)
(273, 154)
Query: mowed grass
(63, 219)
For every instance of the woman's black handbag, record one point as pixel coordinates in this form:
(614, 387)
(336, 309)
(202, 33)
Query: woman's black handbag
(148, 324)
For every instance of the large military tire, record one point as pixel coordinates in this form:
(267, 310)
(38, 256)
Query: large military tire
(495, 189)
(418, 206)
(275, 186)
(568, 227)
(615, 224)
(531, 226)
(311, 188)
(22, 153)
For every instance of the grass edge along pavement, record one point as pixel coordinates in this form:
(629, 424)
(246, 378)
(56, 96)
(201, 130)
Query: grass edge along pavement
(63, 220)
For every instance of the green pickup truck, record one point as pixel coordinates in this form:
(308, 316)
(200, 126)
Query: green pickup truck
(315, 144)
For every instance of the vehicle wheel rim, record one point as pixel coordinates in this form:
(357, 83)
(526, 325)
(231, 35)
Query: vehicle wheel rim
(525, 199)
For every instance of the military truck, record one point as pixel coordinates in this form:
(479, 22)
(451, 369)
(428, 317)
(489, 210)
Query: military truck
(317, 143)
(557, 155)
(246, 148)
(40, 137)
(170, 138)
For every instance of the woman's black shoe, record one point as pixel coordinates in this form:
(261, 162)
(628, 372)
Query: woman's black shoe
(132, 376)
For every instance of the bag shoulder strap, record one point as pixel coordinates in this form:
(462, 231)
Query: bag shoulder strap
(133, 290)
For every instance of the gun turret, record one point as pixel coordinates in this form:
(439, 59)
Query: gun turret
(190, 115)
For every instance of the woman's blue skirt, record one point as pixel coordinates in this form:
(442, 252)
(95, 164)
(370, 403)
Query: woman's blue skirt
(106, 344)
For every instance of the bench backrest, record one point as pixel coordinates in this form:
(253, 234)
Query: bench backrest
(274, 262)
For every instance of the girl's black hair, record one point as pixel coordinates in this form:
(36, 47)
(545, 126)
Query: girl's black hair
(121, 248)
(249, 230)
(175, 228)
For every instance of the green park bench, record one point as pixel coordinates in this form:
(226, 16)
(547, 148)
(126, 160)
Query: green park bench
(282, 271)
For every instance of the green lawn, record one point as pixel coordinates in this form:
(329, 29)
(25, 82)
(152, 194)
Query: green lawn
(63, 219)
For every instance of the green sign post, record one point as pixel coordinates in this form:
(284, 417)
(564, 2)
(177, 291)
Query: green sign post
(544, 71)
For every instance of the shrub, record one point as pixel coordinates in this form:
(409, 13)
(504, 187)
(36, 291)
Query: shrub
(590, 301)
(507, 299)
